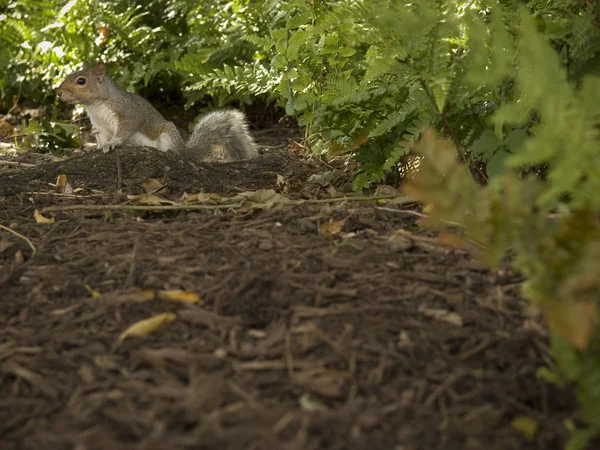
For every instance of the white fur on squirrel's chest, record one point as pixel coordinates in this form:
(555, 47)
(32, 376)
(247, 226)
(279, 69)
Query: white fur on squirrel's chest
(103, 119)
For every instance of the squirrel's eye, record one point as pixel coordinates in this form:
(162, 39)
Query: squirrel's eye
(80, 81)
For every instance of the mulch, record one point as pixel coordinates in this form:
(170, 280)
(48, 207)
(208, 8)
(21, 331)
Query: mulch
(372, 336)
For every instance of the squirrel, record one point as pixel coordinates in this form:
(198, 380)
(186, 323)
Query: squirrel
(121, 118)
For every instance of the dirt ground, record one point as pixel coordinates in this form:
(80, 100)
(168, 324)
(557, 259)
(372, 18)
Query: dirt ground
(332, 325)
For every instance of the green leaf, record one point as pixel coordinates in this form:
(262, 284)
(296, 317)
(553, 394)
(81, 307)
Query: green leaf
(515, 140)
(487, 144)
(496, 164)
(279, 62)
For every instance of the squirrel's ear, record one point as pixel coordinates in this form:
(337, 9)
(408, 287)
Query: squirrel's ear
(86, 65)
(100, 71)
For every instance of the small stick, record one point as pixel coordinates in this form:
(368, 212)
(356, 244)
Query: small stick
(33, 250)
(358, 198)
(136, 207)
(119, 170)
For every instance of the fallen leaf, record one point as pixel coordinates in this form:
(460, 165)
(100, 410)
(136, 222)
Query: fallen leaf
(453, 241)
(399, 243)
(201, 197)
(19, 258)
(307, 403)
(39, 218)
(150, 200)
(332, 227)
(282, 183)
(178, 296)
(385, 189)
(404, 340)
(442, 314)
(266, 197)
(68, 309)
(527, 426)
(94, 293)
(152, 185)
(323, 179)
(147, 326)
(61, 181)
(428, 208)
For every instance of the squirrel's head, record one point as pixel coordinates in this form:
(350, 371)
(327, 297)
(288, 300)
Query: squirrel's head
(84, 86)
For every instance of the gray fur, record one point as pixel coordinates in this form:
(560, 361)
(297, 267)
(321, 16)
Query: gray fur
(221, 136)
(122, 118)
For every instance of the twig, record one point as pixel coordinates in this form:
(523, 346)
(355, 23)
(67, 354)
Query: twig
(33, 250)
(119, 170)
(16, 163)
(62, 194)
(137, 207)
(358, 198)
(418, 214)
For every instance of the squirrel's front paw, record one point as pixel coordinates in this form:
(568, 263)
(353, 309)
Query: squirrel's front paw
(111, 144)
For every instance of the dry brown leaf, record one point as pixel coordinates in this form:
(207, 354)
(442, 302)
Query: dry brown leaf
(201, 197)
(443, 314)
(152, 185)
(149, 200)
(61, 181)
(19, 258)
(332, 227)
(265, 197)
(282, 183)
(149, 294)
(453, 241)
(39, 218)
(6, 129)
(307, 403)
(147, 326)
(399, 243)
(385, 189)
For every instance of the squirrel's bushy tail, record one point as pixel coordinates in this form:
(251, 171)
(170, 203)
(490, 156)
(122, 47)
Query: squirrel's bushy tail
(221, 136)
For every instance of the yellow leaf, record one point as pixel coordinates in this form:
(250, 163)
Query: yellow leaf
(179, 296)
(150, 200)
(39, 218)
(148, 294)
(94, 293)
(332, 227)
(61, 181)
(526, 426)
(428, 208)
(147, 326)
